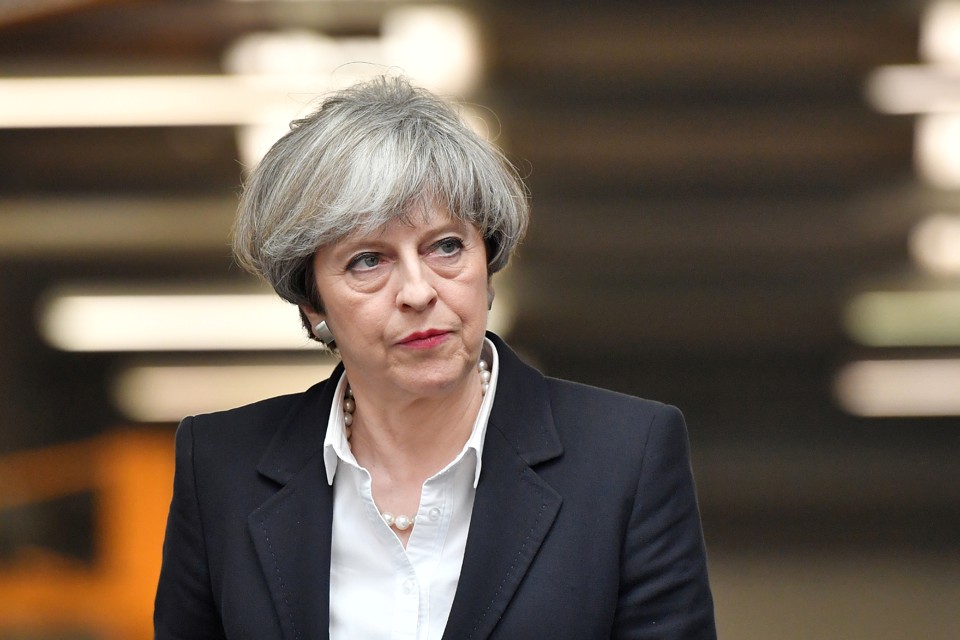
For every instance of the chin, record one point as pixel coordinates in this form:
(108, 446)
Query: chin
(438, 381)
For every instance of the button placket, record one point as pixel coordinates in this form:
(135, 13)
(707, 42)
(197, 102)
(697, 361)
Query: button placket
(407, 603)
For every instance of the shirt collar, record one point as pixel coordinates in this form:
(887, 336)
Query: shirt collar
(336, 448)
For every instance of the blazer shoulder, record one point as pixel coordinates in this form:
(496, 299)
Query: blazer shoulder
(577, 397)
(249, 414)
(250, 428)
(613, 426)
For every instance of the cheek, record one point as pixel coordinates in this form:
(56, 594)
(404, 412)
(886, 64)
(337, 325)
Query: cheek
(352, 315)
(475, 301)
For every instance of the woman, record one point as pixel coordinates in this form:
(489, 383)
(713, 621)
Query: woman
(435, 485)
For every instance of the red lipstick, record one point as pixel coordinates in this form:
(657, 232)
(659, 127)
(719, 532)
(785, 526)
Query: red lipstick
(424, 339)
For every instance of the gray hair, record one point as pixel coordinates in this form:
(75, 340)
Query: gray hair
(371, 153)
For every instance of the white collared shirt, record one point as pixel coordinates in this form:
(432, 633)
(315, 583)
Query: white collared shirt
(378, 588)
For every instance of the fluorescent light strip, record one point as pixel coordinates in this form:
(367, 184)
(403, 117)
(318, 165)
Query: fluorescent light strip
(130, 101)
(940, 32)
(168, 393)
(912, 89)
(438, 45)
(80, 321)
(900, 388)
(904, 318)
(937, 149)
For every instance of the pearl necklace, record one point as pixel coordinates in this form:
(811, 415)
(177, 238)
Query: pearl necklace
(400, 521)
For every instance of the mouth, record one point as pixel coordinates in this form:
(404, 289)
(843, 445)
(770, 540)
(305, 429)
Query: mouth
(423, 339)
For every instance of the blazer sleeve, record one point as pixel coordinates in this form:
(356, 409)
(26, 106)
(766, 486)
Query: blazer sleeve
(184, 608)
(664, 590)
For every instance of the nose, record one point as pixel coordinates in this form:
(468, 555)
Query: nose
(415, 289)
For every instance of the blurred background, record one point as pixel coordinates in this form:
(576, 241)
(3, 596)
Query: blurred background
(747, 209)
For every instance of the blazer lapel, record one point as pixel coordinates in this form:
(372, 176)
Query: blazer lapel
(292, 530)
(292, 533)
(514, 508)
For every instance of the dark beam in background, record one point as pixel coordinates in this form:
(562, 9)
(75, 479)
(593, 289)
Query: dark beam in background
(18, 12)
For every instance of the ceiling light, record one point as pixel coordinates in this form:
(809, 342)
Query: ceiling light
(940, 32)
(935, 244)
(88, 320)
(134, 101)
(879, 388)
(303, 52)
(912, 89)
(167, 393)
(439, 46)
(937, 151)
(904, 318)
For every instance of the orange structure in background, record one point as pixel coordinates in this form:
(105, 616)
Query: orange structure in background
(131, 475)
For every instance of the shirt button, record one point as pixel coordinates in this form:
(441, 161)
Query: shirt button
(434, 514)
(409, 586)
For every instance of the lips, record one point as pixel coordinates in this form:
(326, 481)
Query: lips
(424, 338)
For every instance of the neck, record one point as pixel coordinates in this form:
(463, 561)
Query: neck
(415, 438)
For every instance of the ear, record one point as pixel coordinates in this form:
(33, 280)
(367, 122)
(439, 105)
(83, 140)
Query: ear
(313, 316)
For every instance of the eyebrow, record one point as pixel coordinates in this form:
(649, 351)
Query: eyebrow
(374, 239)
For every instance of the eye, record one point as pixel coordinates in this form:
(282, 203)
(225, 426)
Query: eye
(448, 246)
(364, 262)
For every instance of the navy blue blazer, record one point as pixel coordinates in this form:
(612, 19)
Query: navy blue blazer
(585, 523)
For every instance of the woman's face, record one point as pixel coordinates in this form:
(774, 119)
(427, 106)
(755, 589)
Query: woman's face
(407, 304)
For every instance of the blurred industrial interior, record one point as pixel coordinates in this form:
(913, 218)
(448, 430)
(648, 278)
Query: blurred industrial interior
(730, 201)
